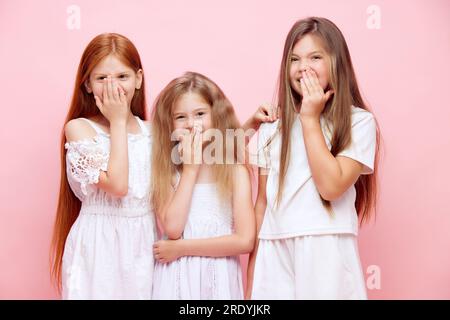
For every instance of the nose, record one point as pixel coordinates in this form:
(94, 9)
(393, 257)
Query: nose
(189, 123)
(304, 67)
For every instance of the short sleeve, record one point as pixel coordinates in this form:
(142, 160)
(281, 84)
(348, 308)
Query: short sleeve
(263, 148)
(84, 159)
(363, 144)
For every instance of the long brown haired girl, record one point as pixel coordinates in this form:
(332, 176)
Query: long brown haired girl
(316, 166)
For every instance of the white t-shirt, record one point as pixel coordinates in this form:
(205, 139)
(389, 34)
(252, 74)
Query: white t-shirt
(301, 211)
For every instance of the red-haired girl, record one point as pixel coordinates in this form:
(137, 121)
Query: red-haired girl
(104, 228)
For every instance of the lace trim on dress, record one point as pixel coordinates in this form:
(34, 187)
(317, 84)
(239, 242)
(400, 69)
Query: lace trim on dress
(86, 159)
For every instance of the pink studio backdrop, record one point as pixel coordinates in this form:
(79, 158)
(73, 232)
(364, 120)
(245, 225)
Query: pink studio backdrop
(402, 68)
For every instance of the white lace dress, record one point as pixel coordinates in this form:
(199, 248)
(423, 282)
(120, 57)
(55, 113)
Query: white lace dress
(202, 278)
(108, 253)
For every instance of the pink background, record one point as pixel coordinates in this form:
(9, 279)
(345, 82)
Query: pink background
(402, 68)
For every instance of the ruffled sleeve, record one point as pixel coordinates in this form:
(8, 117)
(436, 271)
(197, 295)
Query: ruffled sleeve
(85, 159)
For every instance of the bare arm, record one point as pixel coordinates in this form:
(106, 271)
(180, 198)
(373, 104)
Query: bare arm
(115, 109)
(332, 175)
(174, 215)
(265, 113)
(260, 209)
(240, 242)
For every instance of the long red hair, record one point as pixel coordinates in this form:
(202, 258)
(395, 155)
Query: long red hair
(83, 105)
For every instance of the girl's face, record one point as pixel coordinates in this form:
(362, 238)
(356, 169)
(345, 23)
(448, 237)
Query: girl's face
(308, 53)
(191, 110)
(125, 77)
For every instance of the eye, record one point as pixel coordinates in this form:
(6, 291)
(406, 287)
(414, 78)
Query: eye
(293, 59)
(316, 57)
(179, 117)
(101, 78)
(200, 113)
(123, 76)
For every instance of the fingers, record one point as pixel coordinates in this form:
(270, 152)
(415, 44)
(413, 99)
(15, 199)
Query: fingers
(158, 255)
(275, 112)
(98, 103)
(308, 82)
(328, 94)
(197, 144)
(115, 90)
(303, 87)
(180, 145)
(109, 88)
(313, 81)
(122, 97)
(105, 91)
(190, 145)
(269, 112)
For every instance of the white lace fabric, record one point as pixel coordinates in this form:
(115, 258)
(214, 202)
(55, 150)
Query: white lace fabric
(108, 253)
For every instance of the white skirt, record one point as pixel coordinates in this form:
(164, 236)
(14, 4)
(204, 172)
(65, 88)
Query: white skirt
(309, 267)
(109, 257)
(198, 278)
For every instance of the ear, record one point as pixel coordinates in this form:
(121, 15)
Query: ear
(139, 77)
(87, 85)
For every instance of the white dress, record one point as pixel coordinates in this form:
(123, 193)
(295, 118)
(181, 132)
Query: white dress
(202, 278)
(108, 252)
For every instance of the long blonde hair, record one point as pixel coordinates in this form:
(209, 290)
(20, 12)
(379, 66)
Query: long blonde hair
(83, 105)
(337, 111)
(223, 118)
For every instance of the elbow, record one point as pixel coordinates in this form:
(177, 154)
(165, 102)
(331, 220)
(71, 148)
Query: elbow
(329, 195)
(173, 233)
(247, 245)
(120, 191)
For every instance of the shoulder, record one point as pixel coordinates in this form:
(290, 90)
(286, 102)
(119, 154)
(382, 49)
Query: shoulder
(78, 129)
(147, 124)
(360, 114)
(269, 128)
(364, 125)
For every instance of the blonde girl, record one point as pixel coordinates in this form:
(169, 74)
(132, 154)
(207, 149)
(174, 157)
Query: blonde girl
(205, 209)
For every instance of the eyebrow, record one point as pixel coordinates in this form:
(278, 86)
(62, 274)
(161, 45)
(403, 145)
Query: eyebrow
(198, 109)
(104, 74)
(311, 53)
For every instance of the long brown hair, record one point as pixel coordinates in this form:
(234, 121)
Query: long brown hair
(83, 105)
(337, 111)
(223, 118)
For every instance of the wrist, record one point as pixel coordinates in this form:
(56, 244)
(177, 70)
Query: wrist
(252, 123)
(191, 171)
(181, 252)
(255, 122)
(118, 123)
(308, 121)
